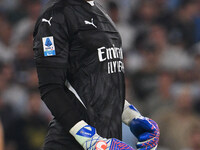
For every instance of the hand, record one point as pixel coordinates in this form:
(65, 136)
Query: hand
(147, 132)
(87, 137)
(99, 143)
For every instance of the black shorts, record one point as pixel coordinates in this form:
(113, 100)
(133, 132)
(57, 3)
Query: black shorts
(58, 139)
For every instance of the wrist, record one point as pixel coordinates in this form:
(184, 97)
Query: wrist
(129, 113)
(83, 132)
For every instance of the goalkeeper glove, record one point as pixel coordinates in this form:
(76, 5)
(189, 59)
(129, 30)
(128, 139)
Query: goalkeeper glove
(145, 129)
(87, 137)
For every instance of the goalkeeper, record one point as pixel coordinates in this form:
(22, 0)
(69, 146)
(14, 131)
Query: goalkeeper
(79, 60)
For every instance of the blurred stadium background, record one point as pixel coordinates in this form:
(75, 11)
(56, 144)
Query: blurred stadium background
(161, 42)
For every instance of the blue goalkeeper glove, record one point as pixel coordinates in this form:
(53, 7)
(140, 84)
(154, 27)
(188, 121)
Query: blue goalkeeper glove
(147, 132)
(87, 137)
(145, 129)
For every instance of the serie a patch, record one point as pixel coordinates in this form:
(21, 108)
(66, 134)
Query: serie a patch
(48, 46)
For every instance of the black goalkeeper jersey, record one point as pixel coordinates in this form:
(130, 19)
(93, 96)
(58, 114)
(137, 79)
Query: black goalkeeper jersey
(79, 59)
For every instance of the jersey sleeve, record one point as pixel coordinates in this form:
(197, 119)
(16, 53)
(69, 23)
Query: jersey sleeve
(51, 52)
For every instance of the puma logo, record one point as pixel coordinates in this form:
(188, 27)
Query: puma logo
(48, 21)
(91, 23)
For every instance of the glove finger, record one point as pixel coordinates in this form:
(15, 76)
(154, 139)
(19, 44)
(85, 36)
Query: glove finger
(154, 123)
(146, 124)
(145, 146)
(154, 148)
(146, 136)
(152, 142)
(149, 148)
(117, 144)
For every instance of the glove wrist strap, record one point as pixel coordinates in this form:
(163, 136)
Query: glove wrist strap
(85, 134)
(82, 132)
(129, 113)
